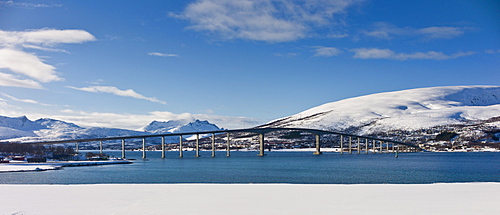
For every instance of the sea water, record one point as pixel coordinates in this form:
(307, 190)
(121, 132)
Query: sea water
(277, 167)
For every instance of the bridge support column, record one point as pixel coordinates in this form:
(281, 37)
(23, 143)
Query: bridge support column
(197, 146)
(397, 151)
(366, 146)
(318, 145)
(123, 148)
(341, 144)
(76, 148)
(213, 145)
(163, 147)
(359, 146)
(387, 147)
(100, 148)
(180, 146)
(350, 145)
(261, 145)
(143, 148)
(228, 149)
(374, 146)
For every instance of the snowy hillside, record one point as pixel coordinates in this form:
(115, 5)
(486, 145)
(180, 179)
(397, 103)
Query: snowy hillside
(401, 110)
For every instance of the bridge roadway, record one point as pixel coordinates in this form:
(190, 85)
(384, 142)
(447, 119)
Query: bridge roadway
(391, 145)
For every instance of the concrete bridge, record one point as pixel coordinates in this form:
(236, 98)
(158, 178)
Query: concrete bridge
(346, 142)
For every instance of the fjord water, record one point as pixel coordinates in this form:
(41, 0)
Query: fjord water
(278, 167)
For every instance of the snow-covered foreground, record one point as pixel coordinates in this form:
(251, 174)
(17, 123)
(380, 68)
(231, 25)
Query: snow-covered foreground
(468, 198)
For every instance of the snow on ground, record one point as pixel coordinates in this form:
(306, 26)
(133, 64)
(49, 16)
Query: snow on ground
(53, 165)
(26, 168)
(464, 198)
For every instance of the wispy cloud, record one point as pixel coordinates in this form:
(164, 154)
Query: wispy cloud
(13, 81)
(29, 101)
(384, 30)
(162, 54)
(263, 20)
(28, 67)
(492, 51)
(321, 51)
(291, 54)
(136, 121)
(28, 5)
(374, 53)
(113, 90)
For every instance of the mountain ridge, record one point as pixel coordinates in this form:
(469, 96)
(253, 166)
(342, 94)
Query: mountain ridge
(20, 129)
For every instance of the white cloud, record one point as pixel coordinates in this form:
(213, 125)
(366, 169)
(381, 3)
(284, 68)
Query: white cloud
(30, 69)
(492, 51)
(136, 121)
(28, 5)
(162, 54)
(13, 81)
(291, 54)
(326, 51)
(29, 101)
(27, 64)
(385, 30)
(116, 91)
(44, 37)
(262, 20)
(374, 53)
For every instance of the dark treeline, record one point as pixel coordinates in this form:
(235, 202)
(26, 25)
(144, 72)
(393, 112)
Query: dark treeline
(18, 148)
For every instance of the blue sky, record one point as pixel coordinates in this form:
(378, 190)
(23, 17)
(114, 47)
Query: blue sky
(234, 63)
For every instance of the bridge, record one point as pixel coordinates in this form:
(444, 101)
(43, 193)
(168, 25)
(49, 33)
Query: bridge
(346, 141)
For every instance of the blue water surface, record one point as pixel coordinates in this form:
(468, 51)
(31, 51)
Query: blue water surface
(278, 167)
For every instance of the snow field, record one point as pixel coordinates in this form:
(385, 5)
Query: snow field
(465, 198)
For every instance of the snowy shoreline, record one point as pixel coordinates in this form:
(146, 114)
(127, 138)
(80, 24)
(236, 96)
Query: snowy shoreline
(53, 165)
(454, 198)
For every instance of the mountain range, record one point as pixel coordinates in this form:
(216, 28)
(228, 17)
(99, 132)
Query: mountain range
(23, 129)
(471, 113)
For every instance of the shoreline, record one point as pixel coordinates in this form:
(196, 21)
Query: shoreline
(440, 198)
(53, 165)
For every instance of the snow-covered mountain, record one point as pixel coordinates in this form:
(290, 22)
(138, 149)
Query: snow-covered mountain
(23, 129)
(177, 126)
(174, 126)
(407, 110)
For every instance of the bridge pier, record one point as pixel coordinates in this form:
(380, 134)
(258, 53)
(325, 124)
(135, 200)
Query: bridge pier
(350, 145)
(341, 144)
(359, 147)
(100, 148)
(318, 145)
(123, 148)
(180, 146)
(213, 144)
(76, 148)
(143, 148)
(197, 146)
(162, 146)
(261, 145)
(228, 149)
(366, 146)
